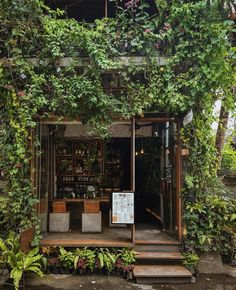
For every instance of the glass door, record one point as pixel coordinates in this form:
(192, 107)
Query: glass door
(168, 180)
(42, 174)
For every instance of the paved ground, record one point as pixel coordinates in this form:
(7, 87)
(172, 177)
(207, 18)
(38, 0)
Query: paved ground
(57, 282)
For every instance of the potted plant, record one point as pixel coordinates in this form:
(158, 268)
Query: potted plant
(84, 260)
(107, 260)
(50, 259)
(127, 257)
(18, 261)
(64, 166)
(66, 259)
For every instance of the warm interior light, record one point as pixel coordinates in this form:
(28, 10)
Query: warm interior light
(142, 151)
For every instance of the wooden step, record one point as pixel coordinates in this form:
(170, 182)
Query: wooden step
(157, 246)
(157, 242)
(161, 274)
(176, 256)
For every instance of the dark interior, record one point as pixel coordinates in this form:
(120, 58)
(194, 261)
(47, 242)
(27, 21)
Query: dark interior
(147, 178)
(155, 177)
(89, 10)
(68, 165)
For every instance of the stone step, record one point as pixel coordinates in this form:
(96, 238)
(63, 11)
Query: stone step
(149, 274)
(159, 256)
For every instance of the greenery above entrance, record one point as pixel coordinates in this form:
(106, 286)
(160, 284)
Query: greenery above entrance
(194, 36)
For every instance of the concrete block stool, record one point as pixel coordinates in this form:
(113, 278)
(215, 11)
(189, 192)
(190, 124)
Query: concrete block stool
(91, 222)
(59, 222)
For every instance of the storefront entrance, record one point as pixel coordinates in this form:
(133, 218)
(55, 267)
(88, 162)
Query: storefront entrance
(155, 176)
(76, 174)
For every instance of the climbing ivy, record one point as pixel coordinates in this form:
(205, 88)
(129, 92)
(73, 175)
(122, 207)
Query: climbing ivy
(193, 38)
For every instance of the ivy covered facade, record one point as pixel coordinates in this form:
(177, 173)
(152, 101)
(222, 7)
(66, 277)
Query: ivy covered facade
(187, 63)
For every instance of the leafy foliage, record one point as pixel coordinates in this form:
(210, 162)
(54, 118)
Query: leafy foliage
(107, 259)
(209, 222)
(19, 262)
(127, 256)
(228, 157)
(191, 261)
(82, 259)
(66, 258)
(193, 36)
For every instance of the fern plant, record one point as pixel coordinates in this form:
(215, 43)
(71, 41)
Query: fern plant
(66, 258)
(87, 255)
(127, 256)
(107, 259)
(17, 261)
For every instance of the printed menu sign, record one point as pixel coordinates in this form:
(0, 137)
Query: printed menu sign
(122, 207)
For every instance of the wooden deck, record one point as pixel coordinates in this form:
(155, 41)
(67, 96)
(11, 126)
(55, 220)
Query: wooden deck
(109, 237)
(85, 243)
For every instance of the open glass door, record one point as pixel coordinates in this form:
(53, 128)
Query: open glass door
(42, 175)
(168, 173)
(155, 153)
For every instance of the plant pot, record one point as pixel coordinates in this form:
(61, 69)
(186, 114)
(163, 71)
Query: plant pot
(49, 269)
(104, 271)
(73, 272)
(124, 273)
(53, 261)
(55, 270)
(63, 271)
(88, 271)
(98, 271)
(26, 237)
(114, 272)
(66, 271)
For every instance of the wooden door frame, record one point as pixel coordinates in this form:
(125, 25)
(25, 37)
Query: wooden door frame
(158, 118)
(178, 157)
(163, 118)
(133, 171)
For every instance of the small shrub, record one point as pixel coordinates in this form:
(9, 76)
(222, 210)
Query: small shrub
(210, 223)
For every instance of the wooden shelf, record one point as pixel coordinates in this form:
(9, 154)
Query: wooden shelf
(85, 163)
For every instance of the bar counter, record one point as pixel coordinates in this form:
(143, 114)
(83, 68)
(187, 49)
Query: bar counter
(100, 199)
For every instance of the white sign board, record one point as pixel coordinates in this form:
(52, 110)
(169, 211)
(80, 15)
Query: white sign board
(188, 118)
(122, 207)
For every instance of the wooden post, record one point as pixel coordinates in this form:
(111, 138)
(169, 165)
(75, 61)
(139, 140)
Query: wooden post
(133, 170)
(106, 8)
(178, 184)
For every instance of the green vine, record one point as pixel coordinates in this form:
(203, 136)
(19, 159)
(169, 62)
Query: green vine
(191, 36)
